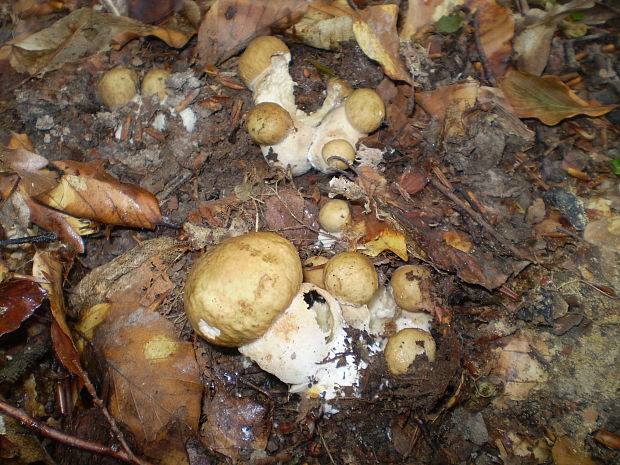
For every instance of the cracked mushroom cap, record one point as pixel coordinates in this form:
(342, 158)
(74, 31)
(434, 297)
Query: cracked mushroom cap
(365, 110)
(404, 346)
(236, 290)
(269, 123)
(410, 287)
(257, 57)
(351, 277)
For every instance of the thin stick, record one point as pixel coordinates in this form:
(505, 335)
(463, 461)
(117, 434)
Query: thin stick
(479, 219)
(331, 459)
(483, 57)
(65, 438)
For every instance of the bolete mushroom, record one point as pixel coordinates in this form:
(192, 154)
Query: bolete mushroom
(334, 215)
(411, 287)
(351, 277)
(154, 82)
(405, 346)
(117, 86)
(313, 270)
(237, 290)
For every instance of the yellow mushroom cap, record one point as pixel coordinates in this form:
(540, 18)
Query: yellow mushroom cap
(409, 287)
(257, 57)
(236, 290)
(365, 110)
(351, 277)
(338, 148)
(154, 82)
(269, 123)
(117, 86)
(403, 347)
(334, 215)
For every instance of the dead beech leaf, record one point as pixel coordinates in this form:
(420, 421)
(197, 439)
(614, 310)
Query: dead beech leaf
(375, 31)
(82, 33)
(20, 158)
(230, 25)
(546, 98)
(325, 25)
(566, 452)
(106, 201)
(423, 12)
(459, 240)
(388, 239)
(20, 141)
(18, 300)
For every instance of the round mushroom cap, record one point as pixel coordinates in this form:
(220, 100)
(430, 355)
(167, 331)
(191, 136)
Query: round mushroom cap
(403, 348)
(314, 276)
(154, 82)
(117, 86)
(351, 277)
(338, 148)
(365, 110)
(269, 123)
(409, 287)
(257, 57)
(236, 290)
(334, 215)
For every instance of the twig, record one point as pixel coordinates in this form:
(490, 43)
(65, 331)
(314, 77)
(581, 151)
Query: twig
(479, 219)
(331, 459)
(49, 237)
(110, 6)
(483, 57)
(65, 438)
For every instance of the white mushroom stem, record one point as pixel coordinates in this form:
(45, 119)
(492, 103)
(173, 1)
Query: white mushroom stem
(291, 151)
(335, 126)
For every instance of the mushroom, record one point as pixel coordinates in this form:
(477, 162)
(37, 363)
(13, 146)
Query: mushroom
(334, 215)
(351, 278)
(117, 87)
(154, 82)
(313, 270)
(411, 287)
(263, 66)
(405, 346)
(237, 290)
(338, 154)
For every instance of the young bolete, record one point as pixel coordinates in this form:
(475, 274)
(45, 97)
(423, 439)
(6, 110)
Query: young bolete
(154, 82)
(351, 277)
(237, 289)
(334, 215)
(117, 87)
(403, 348)
(338, 154)
(411, 287)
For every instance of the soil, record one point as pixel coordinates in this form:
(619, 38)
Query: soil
(518, 366)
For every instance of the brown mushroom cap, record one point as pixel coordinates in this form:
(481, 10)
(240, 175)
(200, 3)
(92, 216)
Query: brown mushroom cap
(314, 276)
(365, 110)
(154, 82)
(351, 277)
(117, 86)
(334, 215)
(257, 57)
(409, 287)
(338, 148)
(237, 289)
(404, 346)
(269, 123)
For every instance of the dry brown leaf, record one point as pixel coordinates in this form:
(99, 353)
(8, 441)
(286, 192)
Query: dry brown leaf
(375, 32)
(20, 141)
(546, 98)
(325, 25)
(388, 239)
(18, 301)
(423, 12)
(230, 25)
(104, 200)
(81, 34)
(20, 158)
(566, 452)
(497, 28)
(459, 240)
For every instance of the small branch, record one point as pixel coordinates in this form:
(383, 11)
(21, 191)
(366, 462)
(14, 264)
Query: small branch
(483, 57)
(111, 7)
(65, 438)
(49, 237)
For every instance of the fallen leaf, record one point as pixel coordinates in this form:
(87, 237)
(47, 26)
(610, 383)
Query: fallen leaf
(21, 445)
(388, 239)
(230, 25)
(82, 33)
(459, 240)
(291, 216)
(566, 452)
(546, 98)
(20, 158)
(423, 12)
(325, 25)
(20, 141)
(105, 201)
(413, 179)
(148, 11)
(375, 32)
(18, 301)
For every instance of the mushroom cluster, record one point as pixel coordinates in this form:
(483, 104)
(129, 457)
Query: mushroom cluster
(118, 86)
(290, 138)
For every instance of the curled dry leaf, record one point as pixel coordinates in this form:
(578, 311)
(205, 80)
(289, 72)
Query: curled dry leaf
(375, 32)
(82, 33)
(104, 200)
(18, 300)
(387, 239)
(20, 141)
(325, 25)
(546, 98)
(230, 25)
(20, 158)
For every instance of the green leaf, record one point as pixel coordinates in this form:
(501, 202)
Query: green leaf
(449, 24)
(615, 165)
(576, 15)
